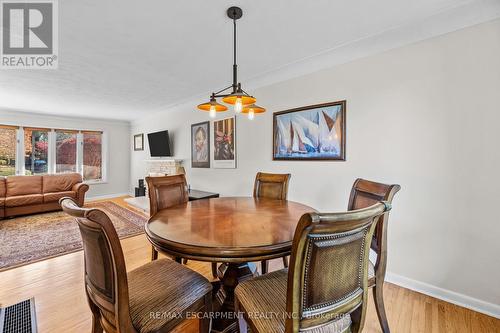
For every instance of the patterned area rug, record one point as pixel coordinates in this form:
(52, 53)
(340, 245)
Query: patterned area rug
(26, 239)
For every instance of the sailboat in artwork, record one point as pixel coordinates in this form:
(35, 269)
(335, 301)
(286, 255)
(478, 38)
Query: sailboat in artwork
(300, 135)
(284, 139)
(301, 143)
(309, 128)
(328, 136)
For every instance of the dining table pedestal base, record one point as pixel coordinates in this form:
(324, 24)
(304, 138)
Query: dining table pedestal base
(240, 230)
(230, 274)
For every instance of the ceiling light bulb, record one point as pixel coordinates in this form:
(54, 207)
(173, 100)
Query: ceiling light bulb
(238, 105)
(251, 114)
(212, 112)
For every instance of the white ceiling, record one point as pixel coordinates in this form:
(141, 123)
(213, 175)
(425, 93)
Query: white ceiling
(128, 58)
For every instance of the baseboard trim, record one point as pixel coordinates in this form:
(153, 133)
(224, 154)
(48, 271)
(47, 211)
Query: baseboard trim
(106, 196)
(465, 301)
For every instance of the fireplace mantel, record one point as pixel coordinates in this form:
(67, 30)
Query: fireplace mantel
(165, 166)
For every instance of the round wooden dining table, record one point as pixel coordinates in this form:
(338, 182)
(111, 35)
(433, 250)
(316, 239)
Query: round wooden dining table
(228, 230)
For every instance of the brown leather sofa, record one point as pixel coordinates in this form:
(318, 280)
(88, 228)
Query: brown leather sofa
(21, 195)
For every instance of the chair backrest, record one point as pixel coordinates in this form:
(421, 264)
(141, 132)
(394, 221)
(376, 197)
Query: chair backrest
(328, 272)
(166, 191)
(105, 272)
(271, 185)
(365, 193)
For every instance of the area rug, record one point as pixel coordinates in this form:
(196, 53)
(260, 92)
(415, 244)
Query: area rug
(26, 239)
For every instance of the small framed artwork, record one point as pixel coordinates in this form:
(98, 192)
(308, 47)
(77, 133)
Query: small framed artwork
(200, 145)
(315, 132)
(224, 143)
(138, 142)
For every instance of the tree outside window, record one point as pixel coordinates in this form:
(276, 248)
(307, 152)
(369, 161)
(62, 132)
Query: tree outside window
(8, 143)
(92, 156)
(65, 152)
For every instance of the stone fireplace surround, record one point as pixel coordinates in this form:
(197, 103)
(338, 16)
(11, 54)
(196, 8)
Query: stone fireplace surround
(158, 168)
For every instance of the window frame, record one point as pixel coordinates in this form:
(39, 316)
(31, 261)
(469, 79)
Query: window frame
(51, 168)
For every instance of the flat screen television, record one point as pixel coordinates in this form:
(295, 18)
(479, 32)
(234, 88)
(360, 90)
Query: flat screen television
(159, 144)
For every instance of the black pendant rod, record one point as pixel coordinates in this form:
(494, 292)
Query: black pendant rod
(233, 13)
(235, 66)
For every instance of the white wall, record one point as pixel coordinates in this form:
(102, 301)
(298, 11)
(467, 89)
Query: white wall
(425, 116)
(118, 136)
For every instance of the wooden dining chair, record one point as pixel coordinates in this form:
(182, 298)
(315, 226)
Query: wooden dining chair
(325, 289)
(165, 192)
(122, 302)
(363, 194)
(271, 186)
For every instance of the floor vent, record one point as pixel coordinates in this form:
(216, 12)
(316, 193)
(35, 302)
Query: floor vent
(18, 318)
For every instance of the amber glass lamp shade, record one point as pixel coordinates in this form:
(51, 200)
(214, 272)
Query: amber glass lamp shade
(253, 108)
(245, 99)
(212, 107)
(238, 99)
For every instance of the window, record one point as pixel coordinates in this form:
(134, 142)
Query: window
(36, 148)
(92, 156)
(66, 151)
(38, 151)
(8, 146)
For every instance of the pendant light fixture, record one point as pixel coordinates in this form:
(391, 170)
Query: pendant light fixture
(252, 109)
(242, 101)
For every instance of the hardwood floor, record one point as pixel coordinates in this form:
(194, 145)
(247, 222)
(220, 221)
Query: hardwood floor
(57, 285)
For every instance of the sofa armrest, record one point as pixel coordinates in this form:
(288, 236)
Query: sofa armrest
(80, 189)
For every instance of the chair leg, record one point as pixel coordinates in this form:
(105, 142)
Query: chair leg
(184, 261)
(154, 253)
(178, 260)
(96, 322)
(214, 270)
(264, 266)
(378, 297)
(206, 321)
(285, 262)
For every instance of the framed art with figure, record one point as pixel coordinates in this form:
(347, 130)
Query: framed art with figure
(310, 133)
(200, 145)
(224, 143)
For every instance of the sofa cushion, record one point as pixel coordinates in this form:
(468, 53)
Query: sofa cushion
(51, 197)
(22, 185)
(23, 200)
(2, 187)
(2, 202)
(60, 183)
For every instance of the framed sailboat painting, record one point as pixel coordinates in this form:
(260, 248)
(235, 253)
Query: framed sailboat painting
(315, 132)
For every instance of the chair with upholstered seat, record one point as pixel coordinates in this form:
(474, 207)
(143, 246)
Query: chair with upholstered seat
(363, 194)
(152, 298)
(271, 186)
(325, 289)
(165, 192)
